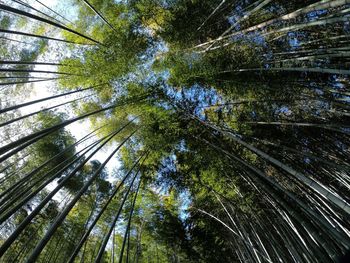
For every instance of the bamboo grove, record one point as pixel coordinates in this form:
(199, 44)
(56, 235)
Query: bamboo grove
(174, 131)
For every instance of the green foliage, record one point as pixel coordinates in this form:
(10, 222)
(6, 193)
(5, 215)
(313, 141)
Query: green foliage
(52, 144)
(238, 134)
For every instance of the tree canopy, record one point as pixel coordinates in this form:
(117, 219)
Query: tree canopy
(174, 131)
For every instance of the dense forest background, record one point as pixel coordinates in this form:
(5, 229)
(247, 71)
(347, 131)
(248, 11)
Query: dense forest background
(174, 130)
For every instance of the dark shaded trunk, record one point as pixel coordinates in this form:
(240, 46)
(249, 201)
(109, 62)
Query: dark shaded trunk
(67, 209)
(38, 18)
